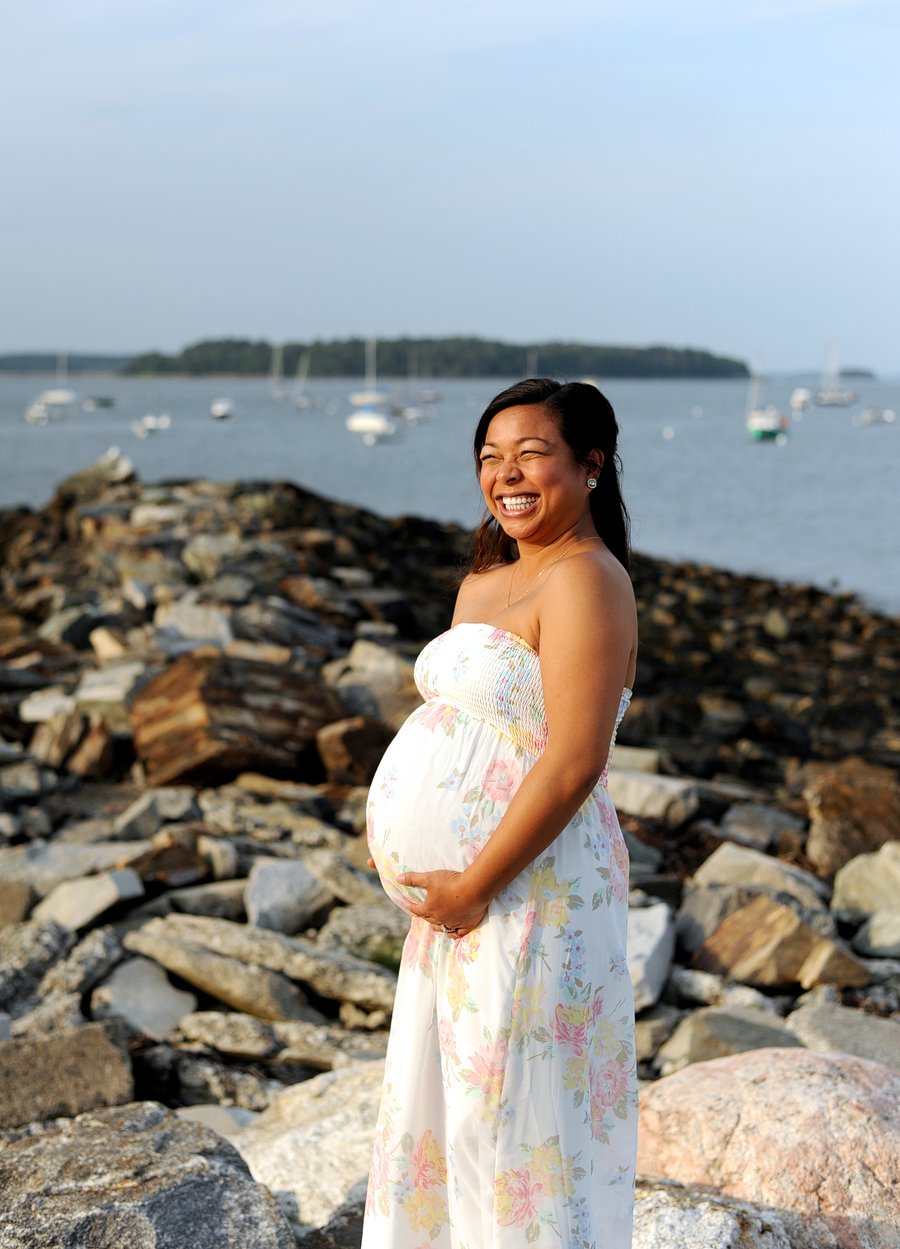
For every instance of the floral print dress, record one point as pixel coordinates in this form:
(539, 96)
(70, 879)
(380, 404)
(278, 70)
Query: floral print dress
(509, 1111)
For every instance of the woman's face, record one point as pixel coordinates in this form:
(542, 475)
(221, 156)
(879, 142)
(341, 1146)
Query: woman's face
(531, 482)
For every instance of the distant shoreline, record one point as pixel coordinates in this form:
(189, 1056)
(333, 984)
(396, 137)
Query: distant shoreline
(401, 358)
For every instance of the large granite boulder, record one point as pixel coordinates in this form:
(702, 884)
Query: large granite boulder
(816, 1136)
(313, 1146)
(669, 1215)
(134, 1177)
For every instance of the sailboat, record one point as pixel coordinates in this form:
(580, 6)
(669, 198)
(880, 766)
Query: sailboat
(300, 398)
(276, 373)
(830, 393)
(52, 404)
(369, 420)
(764, 424)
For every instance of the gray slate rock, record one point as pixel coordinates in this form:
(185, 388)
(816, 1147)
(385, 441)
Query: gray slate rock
(652, 1028)
(140, 821)
(27, 951)
(376, 933)
(140, 993)
(44, 865)
(345, 881)
(824, 1026)
(135, 1177)
(331, 973)
(246, 986)
(651, 944)
(77, 903)
(731, 864)
(63, 1074)
(222, 899)
(284, 896)
(92, 958)
(60, 1012)
(752, 824)
(298, 1044)
(716, 1031)
(669, 1215)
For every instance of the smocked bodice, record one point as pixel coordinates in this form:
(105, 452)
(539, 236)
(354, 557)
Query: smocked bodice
(494, 676)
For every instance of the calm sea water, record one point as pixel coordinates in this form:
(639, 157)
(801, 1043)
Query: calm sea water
(823, 508)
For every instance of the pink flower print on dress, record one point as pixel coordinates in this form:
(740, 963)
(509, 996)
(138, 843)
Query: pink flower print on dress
(436, 715)
(446, 1038)
(619, 868)
(501, 780)
(467, 947)
(570, 1026)
(609, 1084)
(429, 1165)
(485, 1074)
(518, 1196)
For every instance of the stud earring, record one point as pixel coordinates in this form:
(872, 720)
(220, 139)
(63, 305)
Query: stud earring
(592, 483)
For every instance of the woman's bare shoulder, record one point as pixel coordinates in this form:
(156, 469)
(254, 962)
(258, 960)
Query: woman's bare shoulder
(475, 587)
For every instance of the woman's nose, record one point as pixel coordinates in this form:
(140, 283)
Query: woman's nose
(509, 471)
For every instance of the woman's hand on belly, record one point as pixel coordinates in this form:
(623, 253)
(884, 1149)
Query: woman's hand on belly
(448, 906)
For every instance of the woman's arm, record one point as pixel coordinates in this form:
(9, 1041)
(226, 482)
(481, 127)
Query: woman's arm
(587, 632)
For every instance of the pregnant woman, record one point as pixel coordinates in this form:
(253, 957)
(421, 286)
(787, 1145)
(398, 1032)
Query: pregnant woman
(509, 1111)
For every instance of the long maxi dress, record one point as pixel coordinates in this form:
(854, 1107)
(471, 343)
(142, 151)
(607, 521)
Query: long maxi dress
(509, 1110)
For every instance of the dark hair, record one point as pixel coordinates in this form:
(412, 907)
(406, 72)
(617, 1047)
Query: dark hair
(586, 420)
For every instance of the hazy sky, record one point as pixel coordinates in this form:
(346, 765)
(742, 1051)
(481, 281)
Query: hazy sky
(723, 175)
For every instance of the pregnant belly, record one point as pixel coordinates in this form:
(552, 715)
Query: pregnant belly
(435, 800)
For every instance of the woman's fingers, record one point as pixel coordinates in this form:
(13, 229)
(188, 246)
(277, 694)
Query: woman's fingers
(370, 862)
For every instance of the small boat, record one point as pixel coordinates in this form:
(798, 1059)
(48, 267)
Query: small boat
(51, 405)
(221, 409)
(764, 423)
(300, 398)
(371, 397)
(150, 423)
(94, 403)
(831, 394)
(276, 374)
(801, 399)
(876, 416)
(374, 426)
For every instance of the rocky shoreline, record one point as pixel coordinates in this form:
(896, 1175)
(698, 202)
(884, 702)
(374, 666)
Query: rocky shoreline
(196, 681)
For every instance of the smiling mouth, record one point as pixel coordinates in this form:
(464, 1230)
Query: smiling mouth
(516, 503)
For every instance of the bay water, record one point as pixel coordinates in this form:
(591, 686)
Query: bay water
(823, 508)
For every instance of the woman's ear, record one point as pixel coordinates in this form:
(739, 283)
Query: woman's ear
(597, 457)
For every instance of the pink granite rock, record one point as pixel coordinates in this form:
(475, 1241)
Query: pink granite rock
(815, 1136)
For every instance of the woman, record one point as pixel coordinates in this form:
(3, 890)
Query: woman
(508, 1116)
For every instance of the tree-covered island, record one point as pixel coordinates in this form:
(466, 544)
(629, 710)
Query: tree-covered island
(439, 358)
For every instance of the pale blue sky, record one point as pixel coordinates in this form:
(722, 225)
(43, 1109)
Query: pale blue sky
(715, 174)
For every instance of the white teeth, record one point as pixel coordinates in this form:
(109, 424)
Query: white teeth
(519, 502)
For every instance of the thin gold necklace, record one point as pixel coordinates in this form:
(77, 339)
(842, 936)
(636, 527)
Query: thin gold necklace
(536, 579)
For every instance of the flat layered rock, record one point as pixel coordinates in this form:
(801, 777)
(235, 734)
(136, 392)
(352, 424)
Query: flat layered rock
(247, 986)
(44, 865)
(134, 1177)
(207, 718)
(317, 1045)
(703, 910)
(755, 825)
(376, 933)
(62, 1074)
(816, 1136)
(330, 973)
(77, 903)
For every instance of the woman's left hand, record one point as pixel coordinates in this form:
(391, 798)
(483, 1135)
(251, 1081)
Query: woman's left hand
(447, 906)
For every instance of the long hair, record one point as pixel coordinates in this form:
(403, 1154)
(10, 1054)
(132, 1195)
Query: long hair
(586, 420)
